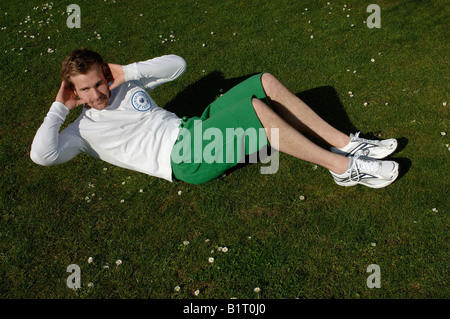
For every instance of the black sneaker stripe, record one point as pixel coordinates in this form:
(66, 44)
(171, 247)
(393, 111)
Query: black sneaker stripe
(361, 147)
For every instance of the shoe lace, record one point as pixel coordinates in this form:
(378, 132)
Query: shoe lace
(362, 152)
(359, 165)
(360, 139)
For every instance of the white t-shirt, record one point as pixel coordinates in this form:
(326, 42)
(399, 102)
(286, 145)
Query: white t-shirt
(132, 132)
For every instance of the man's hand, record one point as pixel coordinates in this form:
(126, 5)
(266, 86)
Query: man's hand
(68, 97)
(118, 75)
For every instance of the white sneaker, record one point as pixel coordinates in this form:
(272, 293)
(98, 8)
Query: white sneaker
(369, 148)
(369, 172)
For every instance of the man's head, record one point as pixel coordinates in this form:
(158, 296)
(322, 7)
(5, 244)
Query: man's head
(85, 72)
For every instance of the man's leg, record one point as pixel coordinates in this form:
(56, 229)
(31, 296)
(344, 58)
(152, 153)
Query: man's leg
(299, 115)
(294, 143)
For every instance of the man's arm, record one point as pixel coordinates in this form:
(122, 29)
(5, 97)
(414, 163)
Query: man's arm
(156, 71)
(67, 97)
(49, 147)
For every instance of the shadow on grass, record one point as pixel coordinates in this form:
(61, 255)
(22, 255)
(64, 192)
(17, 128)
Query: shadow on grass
(324, 100)
(404, 163)
(195, 98)
(404, 166)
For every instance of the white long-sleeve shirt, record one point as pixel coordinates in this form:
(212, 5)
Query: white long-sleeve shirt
(132, 132)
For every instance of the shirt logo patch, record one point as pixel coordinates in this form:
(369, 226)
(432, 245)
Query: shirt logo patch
(140, 101)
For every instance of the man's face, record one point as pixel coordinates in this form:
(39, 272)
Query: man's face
(92, 88)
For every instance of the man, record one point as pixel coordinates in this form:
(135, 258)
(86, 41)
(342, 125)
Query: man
(122, 125)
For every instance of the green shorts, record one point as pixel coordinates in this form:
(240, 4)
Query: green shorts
(228, 130)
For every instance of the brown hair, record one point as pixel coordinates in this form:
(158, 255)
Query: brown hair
(80, 61)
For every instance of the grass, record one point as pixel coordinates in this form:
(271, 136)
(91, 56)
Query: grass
(319, 247)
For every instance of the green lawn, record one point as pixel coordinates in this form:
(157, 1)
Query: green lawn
(318, 247)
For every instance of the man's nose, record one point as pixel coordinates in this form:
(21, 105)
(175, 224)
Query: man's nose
(96, 93)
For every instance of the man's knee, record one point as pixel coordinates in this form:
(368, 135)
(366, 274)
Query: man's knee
(268, 79)
(258, 105)
(262, 110)
(271, 85)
